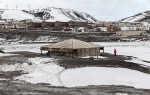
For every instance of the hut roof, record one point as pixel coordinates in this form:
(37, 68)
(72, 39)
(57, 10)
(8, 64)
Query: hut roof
(72, 44)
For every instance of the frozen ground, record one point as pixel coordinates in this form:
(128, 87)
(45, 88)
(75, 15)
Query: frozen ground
(139, 50)
(46, 70)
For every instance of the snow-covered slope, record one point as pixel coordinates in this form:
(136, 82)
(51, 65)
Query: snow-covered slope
(48, 14)
(15, 14)
(141, 17)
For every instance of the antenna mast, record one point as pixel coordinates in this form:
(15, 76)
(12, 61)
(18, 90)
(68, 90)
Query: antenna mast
(16, 7)
(29, 7)
(7, 7)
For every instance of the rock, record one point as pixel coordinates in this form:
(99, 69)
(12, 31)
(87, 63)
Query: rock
(2, 51)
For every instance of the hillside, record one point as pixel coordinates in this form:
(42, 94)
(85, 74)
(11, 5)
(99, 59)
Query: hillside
(141, 17)
(47, 14)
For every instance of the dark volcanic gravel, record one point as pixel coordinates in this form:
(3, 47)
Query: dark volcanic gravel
(11, 87)
(16, 87)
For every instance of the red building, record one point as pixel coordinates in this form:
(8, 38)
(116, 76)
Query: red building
(112, 29)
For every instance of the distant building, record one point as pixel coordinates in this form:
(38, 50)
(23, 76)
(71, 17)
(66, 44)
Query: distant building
(34, 24)
(125, 28)
(103, 29)
(123, 24)
(131, 33)
(77, 24)
(61, 24)
(48, 24)
(109, 23)
(136, 24)
(112, 28)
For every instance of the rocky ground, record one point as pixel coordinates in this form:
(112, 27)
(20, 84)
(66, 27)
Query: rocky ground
(9, 86)
(35, 35)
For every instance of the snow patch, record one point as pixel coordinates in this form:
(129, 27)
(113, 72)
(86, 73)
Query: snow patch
(6, 54)
(121, 94)
(105, 76)
(41, 70)
(37, 70)
(22, 47)
(16, 14)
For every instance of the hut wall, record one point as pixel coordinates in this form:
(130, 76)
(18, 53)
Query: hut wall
(73, 53)
(88, 52)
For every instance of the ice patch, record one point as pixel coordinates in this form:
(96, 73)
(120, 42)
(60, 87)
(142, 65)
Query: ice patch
(105, 76)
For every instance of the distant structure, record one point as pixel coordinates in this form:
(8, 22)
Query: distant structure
(77, 24)
(1, 12)
(131, 33)
(29, 7)
(7, 7)
(16, 7)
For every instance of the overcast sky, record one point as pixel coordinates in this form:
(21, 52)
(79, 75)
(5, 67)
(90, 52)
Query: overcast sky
(104, 10)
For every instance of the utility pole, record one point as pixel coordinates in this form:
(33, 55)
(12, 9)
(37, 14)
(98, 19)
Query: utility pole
(6, 6)
(16, 7)
(29, 7)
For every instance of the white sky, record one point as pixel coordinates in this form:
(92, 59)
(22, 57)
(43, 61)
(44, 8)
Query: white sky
(108, 10)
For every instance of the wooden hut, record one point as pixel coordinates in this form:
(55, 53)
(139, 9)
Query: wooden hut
(73, 48)
(77, 24)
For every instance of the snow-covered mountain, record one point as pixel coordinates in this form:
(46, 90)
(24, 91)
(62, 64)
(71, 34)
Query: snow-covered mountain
(141, 17)
(47, 14)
